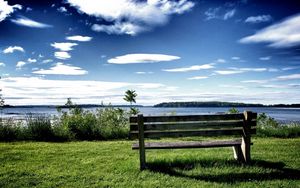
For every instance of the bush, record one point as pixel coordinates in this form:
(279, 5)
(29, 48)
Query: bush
(39, 128)
(113, 122)
(9, 130)
(61, 132)
(291, 130)
(82, 125)
(265, 121)
(107, 123)
(269, 127)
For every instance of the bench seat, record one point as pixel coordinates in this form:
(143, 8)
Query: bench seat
(190, 144)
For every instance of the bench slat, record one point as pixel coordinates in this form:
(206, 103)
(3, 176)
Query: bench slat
(186, 145)
(183, 133)
(191, 125)
(133, 119)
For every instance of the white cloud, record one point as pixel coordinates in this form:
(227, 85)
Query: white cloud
(131, 17)
(290, 68)
(64, 46)
(37, 90)
(2, 64)
(150, 86)
(251, 69)
(31, 60)
(191, 68)
(47, 61)
(23, 21)
(273, 86)
(258, 19)
(62, 69)
(235, 58)
(20, 64)
(79, 38)
(294, 85)
(12, 49)
(234, 70)
(198, 78)
(62, 55)
(120, 28)
(212, 13)
(280, 35)
(255, 81)
(228, 72)
(266, 58)
(28, 9)
(6, 9)
(62, 9)
(221, 60)
(273, 70)
(233, 86)
(142, 72)
(141, 58)
(229, 14)
(219, 13)
(289, 77)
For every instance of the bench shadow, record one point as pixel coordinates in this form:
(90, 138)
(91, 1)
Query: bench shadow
(273, 170)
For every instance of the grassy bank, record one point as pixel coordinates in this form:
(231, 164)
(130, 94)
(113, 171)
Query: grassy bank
(113, 164)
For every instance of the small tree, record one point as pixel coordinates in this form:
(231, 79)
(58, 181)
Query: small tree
(69, 102)
(130, 96)
(233, 111)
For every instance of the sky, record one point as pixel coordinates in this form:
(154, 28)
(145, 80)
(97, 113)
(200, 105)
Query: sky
(92, 51)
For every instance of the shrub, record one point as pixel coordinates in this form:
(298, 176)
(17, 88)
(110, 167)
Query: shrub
(81, 124)
(113, 122)
(291, 130)
(60, 131)
(265, 121)
(39, 128)
(269, 127)
(9, 130)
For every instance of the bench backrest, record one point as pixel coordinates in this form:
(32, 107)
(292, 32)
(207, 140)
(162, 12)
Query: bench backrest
(193, 125)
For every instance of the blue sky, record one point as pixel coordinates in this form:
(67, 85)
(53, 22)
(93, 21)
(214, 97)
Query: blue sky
(166, 50)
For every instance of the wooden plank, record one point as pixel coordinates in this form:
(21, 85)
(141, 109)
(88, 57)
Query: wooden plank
(191, 133)
(192, 125)
(133, 119)
(185, 133)
(185, 145)
(189, 118)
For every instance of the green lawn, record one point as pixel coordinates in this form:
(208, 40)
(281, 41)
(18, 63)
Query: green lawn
(276, 163)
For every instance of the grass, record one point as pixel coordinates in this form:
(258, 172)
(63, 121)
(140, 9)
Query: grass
(275, 163)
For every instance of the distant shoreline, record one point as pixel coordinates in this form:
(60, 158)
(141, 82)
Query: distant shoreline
(220, 104)
(191, 104)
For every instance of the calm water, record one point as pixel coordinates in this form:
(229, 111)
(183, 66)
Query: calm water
(281, 114)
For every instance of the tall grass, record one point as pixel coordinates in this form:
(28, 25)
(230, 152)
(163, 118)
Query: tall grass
(104, 124)
(75, 124)
(10, 130)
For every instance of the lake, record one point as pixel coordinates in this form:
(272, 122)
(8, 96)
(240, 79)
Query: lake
(280, 114)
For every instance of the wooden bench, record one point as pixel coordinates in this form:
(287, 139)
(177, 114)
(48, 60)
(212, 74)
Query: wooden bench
(241, 124)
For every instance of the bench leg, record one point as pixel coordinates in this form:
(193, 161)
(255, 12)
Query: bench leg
(246, 149)
(142, 159)
(237, 153)
(142, 142)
